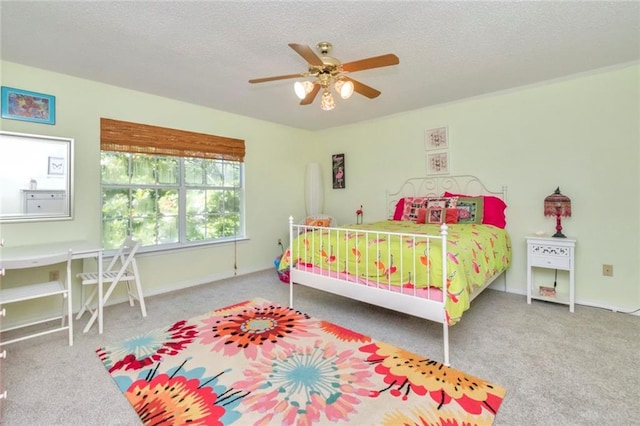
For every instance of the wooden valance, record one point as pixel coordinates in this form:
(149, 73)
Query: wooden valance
(123, 136)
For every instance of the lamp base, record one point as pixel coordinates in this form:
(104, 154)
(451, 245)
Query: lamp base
(559, 233)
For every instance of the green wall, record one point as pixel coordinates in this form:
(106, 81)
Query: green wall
(580, 133)
(275, 162)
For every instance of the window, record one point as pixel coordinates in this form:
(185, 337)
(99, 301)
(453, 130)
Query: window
(168, 200)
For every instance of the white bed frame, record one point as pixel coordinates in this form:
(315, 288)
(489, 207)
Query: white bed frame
(380, 294)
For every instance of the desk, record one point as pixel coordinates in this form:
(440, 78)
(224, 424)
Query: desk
(28, 257)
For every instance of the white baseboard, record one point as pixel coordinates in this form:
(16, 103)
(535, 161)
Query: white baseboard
(582, 302)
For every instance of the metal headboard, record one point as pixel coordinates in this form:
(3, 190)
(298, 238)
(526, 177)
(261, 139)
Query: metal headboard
(435, 186)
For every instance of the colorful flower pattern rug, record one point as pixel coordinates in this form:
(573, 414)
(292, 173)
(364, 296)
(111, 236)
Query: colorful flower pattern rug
(258, 363)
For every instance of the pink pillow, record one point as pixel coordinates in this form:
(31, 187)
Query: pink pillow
(397, 215)
(494, 208)
(410, 206)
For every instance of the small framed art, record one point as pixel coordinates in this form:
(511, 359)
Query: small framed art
(338, 171)
(438, 163)
(436, 139)
(28, 106)
(56, 166)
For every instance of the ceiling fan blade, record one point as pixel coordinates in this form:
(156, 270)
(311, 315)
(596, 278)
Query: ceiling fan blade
(363, 89)
(311, 95)
(308, 54)
(374, 62)
(278, 77)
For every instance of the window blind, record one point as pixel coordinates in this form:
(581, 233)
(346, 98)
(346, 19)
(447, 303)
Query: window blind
(123, 136)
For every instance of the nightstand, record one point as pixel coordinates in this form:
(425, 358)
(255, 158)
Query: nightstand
(551, 253)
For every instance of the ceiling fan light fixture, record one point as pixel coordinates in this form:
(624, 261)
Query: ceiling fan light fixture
(327, 103)
(302, 88)
(344, 88)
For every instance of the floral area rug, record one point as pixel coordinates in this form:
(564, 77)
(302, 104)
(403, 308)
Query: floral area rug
(258, 363)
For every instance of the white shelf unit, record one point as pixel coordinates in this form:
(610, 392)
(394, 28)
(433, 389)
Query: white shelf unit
(33, 291)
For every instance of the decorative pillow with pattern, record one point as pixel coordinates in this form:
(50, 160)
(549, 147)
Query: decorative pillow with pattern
(437, 215)
(442, 202)
(494, 209)
(470, 210)
(411, 206)
(312, 221)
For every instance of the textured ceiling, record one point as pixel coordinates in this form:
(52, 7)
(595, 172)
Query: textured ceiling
(204, 52)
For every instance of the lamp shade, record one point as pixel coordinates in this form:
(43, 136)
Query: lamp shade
(557, 204)
(313, 191)
(327, 103)
(302, 88)
(344, 88)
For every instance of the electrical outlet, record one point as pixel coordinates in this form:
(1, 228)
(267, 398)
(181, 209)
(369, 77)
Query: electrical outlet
(54, 275)
(607, 270)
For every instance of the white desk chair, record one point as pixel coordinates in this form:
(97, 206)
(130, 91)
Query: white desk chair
(122, 268)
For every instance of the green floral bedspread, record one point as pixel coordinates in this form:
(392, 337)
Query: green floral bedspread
(475, 254)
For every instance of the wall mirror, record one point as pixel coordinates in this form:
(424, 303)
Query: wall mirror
(35, 177)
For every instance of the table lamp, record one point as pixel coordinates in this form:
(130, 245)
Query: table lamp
(557, 205)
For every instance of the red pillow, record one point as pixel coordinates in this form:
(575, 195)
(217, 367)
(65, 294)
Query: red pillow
(422, 216)
(451, 216)
(397, 215)
(494, 208)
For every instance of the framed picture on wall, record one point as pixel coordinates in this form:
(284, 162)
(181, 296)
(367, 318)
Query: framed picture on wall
(438, 163)
(436, 139)
(56, 166)
(337, 168)
(28, 106)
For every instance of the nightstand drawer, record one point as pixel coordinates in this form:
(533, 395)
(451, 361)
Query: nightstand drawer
(555, 262)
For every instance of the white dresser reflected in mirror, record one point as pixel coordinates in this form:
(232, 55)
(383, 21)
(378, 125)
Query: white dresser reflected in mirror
(35, 177)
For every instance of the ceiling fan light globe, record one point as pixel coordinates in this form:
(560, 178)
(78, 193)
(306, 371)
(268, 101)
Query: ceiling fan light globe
(344, 88)
(302, 88)
(301, 92)
(327, 103)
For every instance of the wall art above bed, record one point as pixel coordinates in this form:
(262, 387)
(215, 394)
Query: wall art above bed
(438, 163)
(437, 138)
(436, 144)
(337, 161)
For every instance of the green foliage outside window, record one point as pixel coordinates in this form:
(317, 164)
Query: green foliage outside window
(141, 196)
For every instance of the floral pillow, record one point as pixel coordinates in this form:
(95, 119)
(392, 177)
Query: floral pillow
(470, 210)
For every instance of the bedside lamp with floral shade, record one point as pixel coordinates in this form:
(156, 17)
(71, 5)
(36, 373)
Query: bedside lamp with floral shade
(557, 205)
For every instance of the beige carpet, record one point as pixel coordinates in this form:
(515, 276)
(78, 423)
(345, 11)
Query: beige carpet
(558, 368)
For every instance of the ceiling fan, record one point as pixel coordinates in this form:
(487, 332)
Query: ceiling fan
(328, 71)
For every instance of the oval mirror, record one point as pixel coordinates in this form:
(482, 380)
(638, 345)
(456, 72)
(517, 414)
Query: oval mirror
(35, 177)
